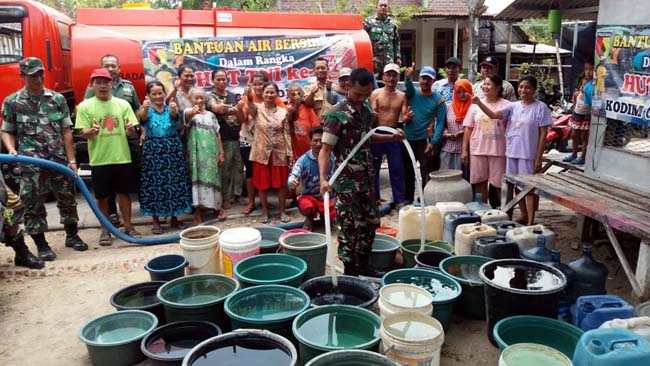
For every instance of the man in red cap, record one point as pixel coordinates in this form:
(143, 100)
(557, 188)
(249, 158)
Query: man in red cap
(106, 122)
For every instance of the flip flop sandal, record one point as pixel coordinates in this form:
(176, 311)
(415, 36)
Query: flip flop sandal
(222, 216)
(248, 209)
(264, 219)
(105, 239)
(180, 225)
(157, 230)
(131, 231)
(285, 218)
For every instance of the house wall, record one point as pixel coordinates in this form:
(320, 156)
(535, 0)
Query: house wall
(425, 31)
(608, 163)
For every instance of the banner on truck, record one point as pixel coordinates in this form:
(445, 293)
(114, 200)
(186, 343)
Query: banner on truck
(284, 59)
(622, 73)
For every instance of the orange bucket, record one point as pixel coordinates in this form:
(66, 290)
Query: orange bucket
(387, 230)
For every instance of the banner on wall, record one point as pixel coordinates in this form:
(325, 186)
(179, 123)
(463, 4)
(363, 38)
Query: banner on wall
(284, 59)
(622, 73)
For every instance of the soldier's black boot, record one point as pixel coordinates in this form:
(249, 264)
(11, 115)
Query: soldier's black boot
(25, 258)
(72, 239)
(44, 251)
(365, 269)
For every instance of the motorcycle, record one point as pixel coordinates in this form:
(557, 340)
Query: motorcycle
(560, 132)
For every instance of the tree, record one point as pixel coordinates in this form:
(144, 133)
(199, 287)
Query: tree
(537, 31)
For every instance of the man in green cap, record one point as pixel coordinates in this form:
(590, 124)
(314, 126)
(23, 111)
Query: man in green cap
(37, 124)
(122, 89)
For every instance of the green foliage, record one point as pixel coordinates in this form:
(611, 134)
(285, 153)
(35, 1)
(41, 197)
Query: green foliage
(399, 14)
(537, 31)
(443, 74)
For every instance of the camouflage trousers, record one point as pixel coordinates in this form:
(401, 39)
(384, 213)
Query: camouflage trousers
(12, 218)
(35, 185)
(358, 217)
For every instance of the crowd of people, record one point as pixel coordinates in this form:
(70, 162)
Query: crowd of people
(206, 151)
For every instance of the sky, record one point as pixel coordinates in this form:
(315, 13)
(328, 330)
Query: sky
(496, 6)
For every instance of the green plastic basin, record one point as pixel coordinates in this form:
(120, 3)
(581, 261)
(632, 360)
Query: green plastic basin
(383, 252)
(445, 290)
(270, 269)
(270, 307)
(311, 247)
(549, 332)
(270, 239)
(114, 339)
(411, 247)
(465, 269)
(198, 297)
(336, 327)
(352, 358)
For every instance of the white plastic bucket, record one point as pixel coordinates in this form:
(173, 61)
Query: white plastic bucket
(400, 297)
(412, 339)
(237, 244)
(525, 354)
(200, 245)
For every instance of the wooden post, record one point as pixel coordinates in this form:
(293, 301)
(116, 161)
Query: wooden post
(643, 268)
(509, 50)
(456, 37)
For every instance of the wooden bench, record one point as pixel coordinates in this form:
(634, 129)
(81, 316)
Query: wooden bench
(615, 207)
(550, 160)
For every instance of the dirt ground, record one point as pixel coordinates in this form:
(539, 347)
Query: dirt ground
(41, 311)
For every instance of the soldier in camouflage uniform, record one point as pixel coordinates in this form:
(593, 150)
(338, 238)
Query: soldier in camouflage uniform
(39, 121)
(11, 215)
(384, 37)
(356, 206)
(122, 89)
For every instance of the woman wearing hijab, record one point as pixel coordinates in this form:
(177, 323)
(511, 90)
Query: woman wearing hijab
(450, 156)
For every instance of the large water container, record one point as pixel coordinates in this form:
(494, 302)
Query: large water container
(451, 222)
(504, 226)
(566, 296)
(467, 233)
(611, 347)
(526, 236)
(488, 216)
(446, 207)
(591, 276)
(538, 253)
(639, 325)
(478, 204)
(497, 247)
(447, 186)
(410, 223)
(590, 312)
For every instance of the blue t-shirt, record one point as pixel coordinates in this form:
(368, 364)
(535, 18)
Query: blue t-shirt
(425, 108)
(589, 92)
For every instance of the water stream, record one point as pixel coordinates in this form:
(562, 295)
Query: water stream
(339, 169)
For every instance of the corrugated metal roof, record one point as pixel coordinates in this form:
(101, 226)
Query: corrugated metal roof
(570, 9)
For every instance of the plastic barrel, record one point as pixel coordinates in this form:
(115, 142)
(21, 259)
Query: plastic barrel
(524, 354)
(198, 297)
(311, 247)
(443, 289)
(351, 358)
(271, 269)
(464, 269)
(383, 252)
(270, 239)
(403, 297)
(411, 247)
(349, 291)
(167, 345)
(114, 339)
(430, 259)
(557, 334)
(166, 267)
(200, 246)
(236, 245)
(520, 287)
(335, 327)
(412, 339)
(244, 347)
(270, 307)
(140, 296)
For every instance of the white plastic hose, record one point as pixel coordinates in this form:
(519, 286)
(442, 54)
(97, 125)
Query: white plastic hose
(326, 198)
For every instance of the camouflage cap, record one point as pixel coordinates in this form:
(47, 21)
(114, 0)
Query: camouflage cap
(31, 65)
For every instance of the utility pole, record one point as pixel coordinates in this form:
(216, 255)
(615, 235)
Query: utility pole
(475, 9)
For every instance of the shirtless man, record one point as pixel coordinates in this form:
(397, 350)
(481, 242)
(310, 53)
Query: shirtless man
(389, 103)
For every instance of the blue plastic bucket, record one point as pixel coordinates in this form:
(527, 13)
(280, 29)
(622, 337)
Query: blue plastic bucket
(166, 267)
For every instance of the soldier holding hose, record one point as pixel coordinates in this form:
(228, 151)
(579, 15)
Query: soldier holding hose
(356, 206)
